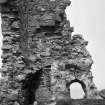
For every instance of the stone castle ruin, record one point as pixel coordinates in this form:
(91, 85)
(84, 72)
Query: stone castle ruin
(41, 58)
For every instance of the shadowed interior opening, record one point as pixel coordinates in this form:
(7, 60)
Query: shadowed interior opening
(30, 84)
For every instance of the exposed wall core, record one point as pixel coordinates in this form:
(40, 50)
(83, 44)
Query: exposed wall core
(1, 38)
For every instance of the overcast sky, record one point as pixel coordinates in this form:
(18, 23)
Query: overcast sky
(88, 18)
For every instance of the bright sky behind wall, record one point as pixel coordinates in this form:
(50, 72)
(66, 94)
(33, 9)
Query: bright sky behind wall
(88, 18)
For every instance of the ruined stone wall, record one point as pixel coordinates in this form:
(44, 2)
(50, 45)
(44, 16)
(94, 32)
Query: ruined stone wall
(41, 57)
(11, 57)
(29, 29)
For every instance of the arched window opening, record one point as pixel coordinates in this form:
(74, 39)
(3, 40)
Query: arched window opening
(76, 91)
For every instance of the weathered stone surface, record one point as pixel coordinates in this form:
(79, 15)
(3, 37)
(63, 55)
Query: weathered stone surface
(76, 69)
(41, 58)
(3, 1)
(102, 93)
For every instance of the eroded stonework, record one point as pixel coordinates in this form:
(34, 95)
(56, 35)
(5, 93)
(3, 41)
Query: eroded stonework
(41, 57)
